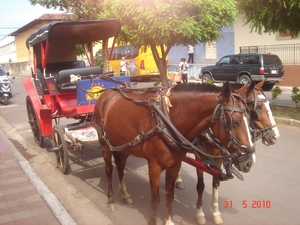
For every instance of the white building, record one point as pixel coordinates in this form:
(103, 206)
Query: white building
(8, 49)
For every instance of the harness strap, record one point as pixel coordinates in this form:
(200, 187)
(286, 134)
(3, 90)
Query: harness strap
(138, 139)
(227, 162)
(181, 139)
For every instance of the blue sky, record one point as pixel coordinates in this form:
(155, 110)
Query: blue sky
(17, 13)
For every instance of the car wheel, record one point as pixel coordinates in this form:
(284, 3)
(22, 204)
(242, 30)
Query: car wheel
(245, 79)
(267, 86)
(206, 77)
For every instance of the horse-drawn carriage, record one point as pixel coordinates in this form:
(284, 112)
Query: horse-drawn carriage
(51, 94)
(158, 123)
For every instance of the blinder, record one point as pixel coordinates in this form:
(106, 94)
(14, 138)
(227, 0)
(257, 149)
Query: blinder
(253, 114)
(225, 122)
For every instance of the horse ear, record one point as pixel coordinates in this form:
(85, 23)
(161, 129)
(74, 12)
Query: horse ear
(251, 87)
(260, 84)
(241, 91)
(226, 92)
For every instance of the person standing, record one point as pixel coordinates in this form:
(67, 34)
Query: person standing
(191, 54)
(123, 67)
(183, 66)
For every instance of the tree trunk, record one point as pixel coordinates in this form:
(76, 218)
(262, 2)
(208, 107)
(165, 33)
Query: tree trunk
(161, 63)
(162, 68)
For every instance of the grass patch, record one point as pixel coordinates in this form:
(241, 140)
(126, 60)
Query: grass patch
(286, 112)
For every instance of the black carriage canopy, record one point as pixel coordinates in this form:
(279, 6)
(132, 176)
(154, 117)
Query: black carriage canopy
(84, 31)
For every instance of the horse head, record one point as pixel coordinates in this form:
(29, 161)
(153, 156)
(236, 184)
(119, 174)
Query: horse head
(262, 120)
(231, 126)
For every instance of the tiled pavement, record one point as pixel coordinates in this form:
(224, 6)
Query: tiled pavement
(21, 201)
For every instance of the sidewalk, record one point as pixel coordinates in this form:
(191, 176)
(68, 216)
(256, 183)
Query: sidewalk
(24, 198)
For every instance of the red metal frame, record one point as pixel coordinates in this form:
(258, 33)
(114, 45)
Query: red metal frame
(200, 165)
(44, 115)
(62, 105)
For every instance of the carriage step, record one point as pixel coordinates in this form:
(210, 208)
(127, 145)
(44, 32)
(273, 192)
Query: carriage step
(52, 149)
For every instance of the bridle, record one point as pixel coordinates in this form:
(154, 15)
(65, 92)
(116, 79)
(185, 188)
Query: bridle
(242, 153)
(254, 115)
(226, 121)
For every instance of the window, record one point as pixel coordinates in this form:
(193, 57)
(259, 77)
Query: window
(236, 60)
(128, 51)
(210, 50)
(283, 35)
(252, 59)
(225, 60)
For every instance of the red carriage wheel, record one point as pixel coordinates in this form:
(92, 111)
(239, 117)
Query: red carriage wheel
(34, 123)
(60, 147)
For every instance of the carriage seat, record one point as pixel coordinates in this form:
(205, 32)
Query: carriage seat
(63, 79)
(54, 68)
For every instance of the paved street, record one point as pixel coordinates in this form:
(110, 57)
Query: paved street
(267, 195)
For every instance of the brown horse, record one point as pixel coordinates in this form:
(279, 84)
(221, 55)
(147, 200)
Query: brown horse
(160, 125)
(263, 126)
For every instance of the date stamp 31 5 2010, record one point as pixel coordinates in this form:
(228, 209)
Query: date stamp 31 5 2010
(254, 204)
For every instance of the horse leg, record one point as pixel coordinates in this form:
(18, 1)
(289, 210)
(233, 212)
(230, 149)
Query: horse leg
(107, 156)
(200, 216)
(178, 182)
(171, 174)
(120, 161)
(217, 217)
(154, 178)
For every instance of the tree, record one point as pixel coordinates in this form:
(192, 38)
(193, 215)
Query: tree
(84, 9)
(164, 23)
(270, 16)
(159, 24)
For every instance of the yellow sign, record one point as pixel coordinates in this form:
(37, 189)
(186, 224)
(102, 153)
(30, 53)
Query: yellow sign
(94, 93)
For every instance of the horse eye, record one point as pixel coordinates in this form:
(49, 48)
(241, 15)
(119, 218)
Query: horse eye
(258, 107)
(235, 123)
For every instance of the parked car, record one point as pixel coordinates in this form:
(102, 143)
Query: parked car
(243, 68)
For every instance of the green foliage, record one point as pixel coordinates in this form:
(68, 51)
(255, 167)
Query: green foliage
(172, 22)
(270, 16)
(99, 60)
(165, 23)
(208, 81)
(296, 96)
(84, 9)
(275, 93)
(157, 23)
(80, 50)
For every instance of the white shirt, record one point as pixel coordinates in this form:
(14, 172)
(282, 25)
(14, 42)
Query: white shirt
(183, 66)
(190, 49)
(123, 65)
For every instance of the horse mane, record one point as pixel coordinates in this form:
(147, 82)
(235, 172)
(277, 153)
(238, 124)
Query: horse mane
(196, 87)
(236, 86)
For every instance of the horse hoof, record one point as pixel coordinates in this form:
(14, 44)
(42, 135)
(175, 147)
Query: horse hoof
(128, 201)
(218, 219)
(111, 208)
(169, 222)
(201, 220)
(179, 185)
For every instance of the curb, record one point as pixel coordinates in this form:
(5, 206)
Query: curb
(56, 208)
(290, 122)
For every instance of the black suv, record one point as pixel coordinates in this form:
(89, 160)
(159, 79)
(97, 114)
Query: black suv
(243, 68)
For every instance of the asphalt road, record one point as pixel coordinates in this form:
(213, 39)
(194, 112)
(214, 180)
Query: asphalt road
(269, 193)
